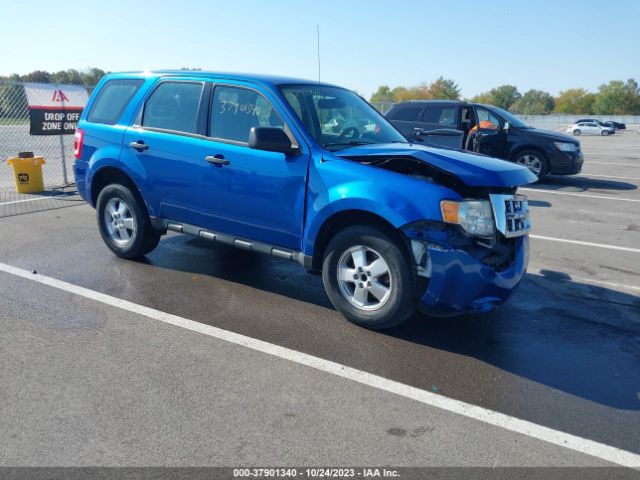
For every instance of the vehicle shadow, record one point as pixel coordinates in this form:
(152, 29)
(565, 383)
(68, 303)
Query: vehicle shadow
(539, 203)
(554, 331)
(202, 257)
(581, 184)
(577, 338)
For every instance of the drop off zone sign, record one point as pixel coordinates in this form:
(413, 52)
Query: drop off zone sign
(54, 109)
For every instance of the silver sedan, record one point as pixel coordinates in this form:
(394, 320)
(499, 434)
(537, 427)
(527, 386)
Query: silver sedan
(589, 128)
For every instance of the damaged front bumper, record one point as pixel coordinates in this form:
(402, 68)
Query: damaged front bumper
(461, 283)
(463, 277)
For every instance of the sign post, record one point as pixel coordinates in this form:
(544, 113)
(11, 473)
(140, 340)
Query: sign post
(55, 110)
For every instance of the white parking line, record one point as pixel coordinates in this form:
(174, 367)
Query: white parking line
(25, 200)
(607, 176)
(554, 192)
(590, 146)
(524, 427)
(586, 164)
(627, 155)
(587, 244)
(45, 197)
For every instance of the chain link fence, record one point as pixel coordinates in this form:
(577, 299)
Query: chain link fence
(57, 151)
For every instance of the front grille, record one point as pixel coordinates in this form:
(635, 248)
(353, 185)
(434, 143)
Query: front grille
(511, 213)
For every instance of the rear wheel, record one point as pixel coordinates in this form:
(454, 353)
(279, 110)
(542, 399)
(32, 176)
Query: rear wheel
(534, 161)
(368, 278)
(124, 223)
(604, 133)
(577, 131)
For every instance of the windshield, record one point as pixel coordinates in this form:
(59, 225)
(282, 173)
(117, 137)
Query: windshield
(508, 117)
(337, 118)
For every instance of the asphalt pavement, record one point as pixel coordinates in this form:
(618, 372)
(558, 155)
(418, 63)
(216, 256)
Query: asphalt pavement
(89, 383)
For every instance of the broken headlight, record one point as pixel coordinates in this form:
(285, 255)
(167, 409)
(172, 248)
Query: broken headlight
(474, 216)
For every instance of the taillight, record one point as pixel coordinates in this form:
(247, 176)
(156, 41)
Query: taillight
(78, 139)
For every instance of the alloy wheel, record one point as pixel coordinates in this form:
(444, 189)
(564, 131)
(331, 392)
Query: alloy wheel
(532, 162)
(364, 278)
(119, 222)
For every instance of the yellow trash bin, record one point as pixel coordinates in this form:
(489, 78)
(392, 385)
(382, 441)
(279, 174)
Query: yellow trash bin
(27, 172)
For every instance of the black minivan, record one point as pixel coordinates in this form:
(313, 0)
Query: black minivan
(491, 131)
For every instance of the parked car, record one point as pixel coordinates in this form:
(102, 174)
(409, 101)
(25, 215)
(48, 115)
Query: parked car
(589, 128)
(609, 124)
(245, 161)
(615, 125)
(500, 134)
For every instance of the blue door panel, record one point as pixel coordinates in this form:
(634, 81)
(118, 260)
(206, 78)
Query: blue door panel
(175, 168)
(258, 195)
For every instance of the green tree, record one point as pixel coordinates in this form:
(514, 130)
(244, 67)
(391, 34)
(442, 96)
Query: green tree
(444, 89)
(74, 76)
(633, 96)
(60, 77)
(617, 98)
(575, 100)
(92, 76)
(504, 96)
(485, 97)
(38, 76)
(401, 94)
(535, 102)
(383, 94)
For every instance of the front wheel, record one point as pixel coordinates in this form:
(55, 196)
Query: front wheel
(577, 131)
(124, 223)
(368, 278)
(604, 133)
(534, 161)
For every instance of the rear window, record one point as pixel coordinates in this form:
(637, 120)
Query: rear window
(173, 106)
(112, 100)
(411, 113)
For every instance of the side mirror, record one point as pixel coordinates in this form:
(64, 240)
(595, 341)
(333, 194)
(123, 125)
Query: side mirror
(506, 126)
(271, 139)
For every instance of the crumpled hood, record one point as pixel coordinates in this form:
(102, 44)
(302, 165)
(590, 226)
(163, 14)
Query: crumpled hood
(472, 169)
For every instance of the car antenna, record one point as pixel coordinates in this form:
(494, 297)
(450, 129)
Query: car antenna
(318, 44)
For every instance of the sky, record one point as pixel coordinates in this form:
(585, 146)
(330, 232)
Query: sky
(543, 44)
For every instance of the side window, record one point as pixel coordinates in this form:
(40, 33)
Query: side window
(440, 115)
(173, 106)
(112, 100)
(236, 110)
(487, 120)
(407, 113)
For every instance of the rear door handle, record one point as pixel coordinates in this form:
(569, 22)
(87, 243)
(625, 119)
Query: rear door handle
(139, 145)
(217, 160)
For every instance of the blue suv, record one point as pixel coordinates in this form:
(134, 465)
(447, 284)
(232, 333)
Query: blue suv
(308, 172)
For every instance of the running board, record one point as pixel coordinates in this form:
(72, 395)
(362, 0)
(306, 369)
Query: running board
(238, 242)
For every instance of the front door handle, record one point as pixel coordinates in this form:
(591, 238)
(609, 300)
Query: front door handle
(139, 145)
(217, 160)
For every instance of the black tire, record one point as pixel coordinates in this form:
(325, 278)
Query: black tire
(604, 133)
(143, 237)
(544, 163)
(577, 131)
(401, 302)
